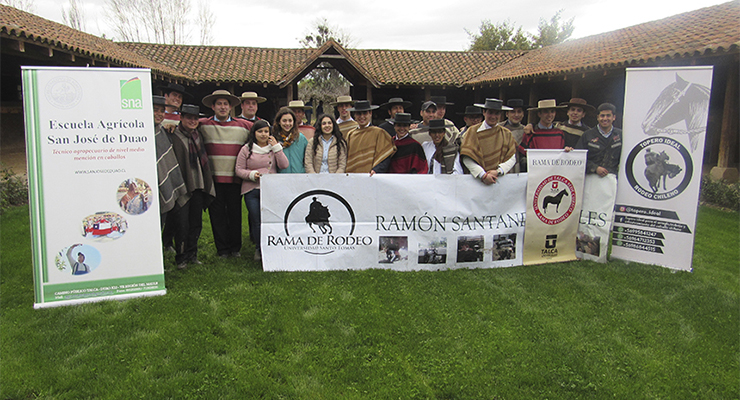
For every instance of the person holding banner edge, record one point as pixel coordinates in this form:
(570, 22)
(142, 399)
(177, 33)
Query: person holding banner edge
(488, 151)
(603, 142)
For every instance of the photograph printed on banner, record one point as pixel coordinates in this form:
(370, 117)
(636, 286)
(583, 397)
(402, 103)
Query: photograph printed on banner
(77, 259)
(393, 249)
(134, 196)
(104, 225)
(588, 245)
(434, 252)
(470, 248)
(504, 247)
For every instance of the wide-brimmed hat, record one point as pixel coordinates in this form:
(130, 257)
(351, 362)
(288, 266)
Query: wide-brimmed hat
(191, 109)
(517, 103)
(233, 100)
(579, 102)
(396, 100)
(298, 104)
(343, 100)
(441, 101)
(158, 100)
(494, 104)
(402, 118)
(471, 110)
(436, 125)
(174, 87)
(252, 96)
(363, 105)
(427, 104)
(546, 105)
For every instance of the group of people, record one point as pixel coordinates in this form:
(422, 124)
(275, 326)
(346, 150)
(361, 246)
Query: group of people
(212, 163)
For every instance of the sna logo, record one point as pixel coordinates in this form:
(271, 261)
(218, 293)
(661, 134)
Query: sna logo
(131, 94)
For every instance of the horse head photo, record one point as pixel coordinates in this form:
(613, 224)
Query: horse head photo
(679, 101)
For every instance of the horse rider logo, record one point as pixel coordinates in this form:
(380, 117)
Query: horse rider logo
(318, 215)
(659, 168)
(554, 199)
(320, 226)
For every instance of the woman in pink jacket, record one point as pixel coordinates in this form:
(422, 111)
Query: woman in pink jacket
(261, 155)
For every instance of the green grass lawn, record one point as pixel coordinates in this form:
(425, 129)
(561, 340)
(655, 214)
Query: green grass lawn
(227, 330)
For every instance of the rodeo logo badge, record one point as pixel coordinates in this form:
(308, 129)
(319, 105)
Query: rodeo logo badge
(554, 200)
(319, 222)
(659, 168)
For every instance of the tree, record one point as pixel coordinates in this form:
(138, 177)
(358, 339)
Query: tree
(323, 32)
(73, 16)
(501, 36)
(25, 5)
(552, 33)
(324, 83)
(505, 36)
(158, 21)
(206, 21)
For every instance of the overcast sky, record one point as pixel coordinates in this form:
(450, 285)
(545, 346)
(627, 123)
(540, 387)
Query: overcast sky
(407, 25)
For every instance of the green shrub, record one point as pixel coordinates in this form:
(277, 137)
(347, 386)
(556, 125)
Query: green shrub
(720, 193)
(13, 189)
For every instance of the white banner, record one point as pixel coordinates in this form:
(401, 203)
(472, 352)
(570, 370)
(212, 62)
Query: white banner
(399, 222)
(665, 120)
(92, 184)
(554, 191)
(597, 215)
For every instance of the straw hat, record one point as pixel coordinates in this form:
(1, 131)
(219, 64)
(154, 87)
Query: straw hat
(548, 104)
(343, 100)
(253, 96)
(233, 100)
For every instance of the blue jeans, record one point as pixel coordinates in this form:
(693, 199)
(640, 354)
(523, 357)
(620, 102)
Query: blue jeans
(252, 201)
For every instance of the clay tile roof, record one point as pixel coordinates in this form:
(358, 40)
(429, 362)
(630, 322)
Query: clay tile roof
(20, 24)
(258, 65)
(394, 67)
(224, 63)
(701, 32)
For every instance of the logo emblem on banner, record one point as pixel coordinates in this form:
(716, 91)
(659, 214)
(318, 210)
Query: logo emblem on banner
(659, 168)
(554, 200)
(63, 92)
(319, 222)
(131, 94)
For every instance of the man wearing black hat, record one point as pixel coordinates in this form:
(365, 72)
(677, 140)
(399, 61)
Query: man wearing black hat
(174, 94)
(471, 116)
(409, 157)
(193, 160)
(574, 127)
(369, 148)
(488, 151)
(442, 103)
(442, 156)
(513, 123)
(394, 106)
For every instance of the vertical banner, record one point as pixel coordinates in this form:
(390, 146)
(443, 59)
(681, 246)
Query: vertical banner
(597, 215)
(92, 184)
(665, 122)
(554, 196)
(400, 222)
